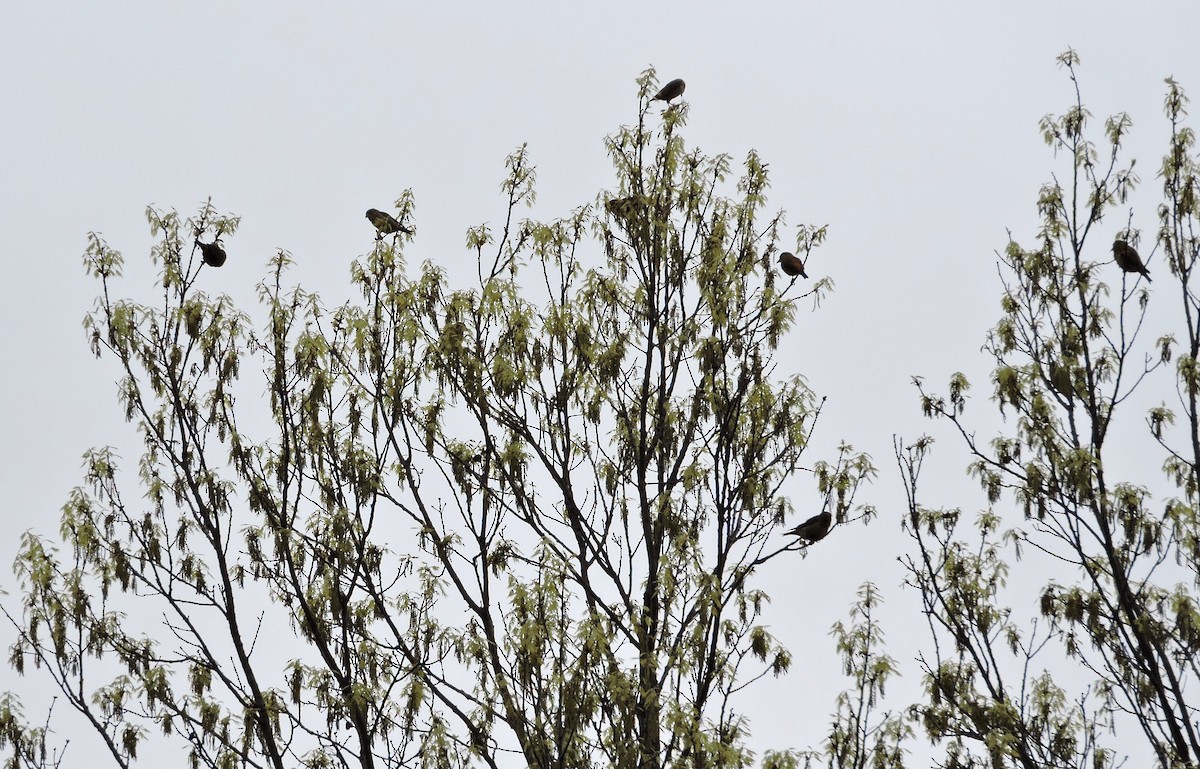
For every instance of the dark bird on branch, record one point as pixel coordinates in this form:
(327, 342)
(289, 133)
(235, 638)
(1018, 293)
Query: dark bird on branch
(212, 253)
(670, 90)
(814, 529)
(1060, 380)
(386, 223)
(1127, 258)
(792, 265)
(621, 207)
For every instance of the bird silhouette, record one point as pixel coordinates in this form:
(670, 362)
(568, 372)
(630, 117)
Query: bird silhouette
(212, 253)
(386, 224)
(1060, 380)
(814, 529)
(1127, 258)
(622, 207)
(670, 90)
(791, 264)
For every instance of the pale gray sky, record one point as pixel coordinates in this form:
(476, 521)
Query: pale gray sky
(910, 128)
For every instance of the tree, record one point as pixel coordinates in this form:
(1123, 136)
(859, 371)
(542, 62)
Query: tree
(860, 736)
(1097, 630)
(520, 518)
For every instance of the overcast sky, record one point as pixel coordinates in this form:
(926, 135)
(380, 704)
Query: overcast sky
(909, 128)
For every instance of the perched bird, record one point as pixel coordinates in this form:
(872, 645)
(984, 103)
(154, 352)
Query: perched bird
(792, 265)
(622, 208)
(1060, 380)
(386, 223)
(212, 253)
(814, 529)
(670, 90)
(1127, 258)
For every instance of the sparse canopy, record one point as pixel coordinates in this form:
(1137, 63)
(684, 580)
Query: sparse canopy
(1078, 512)
(517, 519)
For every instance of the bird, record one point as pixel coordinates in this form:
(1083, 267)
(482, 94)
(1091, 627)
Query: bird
(386, 223)
(1127, 258)
(621, 207)
(670, 90)
(1060, 380)
(792, 265)
(212, 253)
(814, 529)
